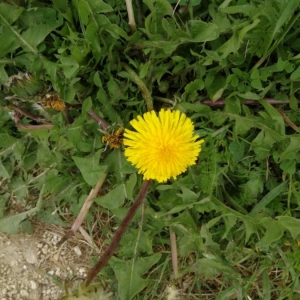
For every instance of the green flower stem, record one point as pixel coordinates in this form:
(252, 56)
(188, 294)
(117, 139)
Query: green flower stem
(118, 234)
(165, 100)
(136, 79)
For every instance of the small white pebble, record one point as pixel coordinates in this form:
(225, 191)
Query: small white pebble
(45, 250)
(24, 293)
(14, 291)
(31, 257)
(51, 272)
(77, 251)
(13, 263)
(33, 285)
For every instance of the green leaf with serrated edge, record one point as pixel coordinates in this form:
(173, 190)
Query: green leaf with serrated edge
(51, 68)
(69, 66)
(188, 196)
(4, 173)
(230, 221)
(84, 11)
(296, 74)
(3, 74)
(11, 224)
(129, 274)
(31, 37)
(112, 199)
(212, 266)
(19, 187)
(4, 198)
(86, 106)
(119, 165)
(275, 115)
(135, 241)
(288, 166)
(251, 226)
(287, 9)
(233, 105)
(258, 123)
(91, 34)
(164, 7)
(10, 12)
(274, 231)
(183, 223)
(116, 31)
(237, 150)
(202, 32)
(291, 224)
(99, 6)
(268, 198)
(191, 89)
(144, 69)
(130, 185)
(90, 167)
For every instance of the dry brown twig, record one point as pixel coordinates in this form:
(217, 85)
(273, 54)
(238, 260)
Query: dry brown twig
(174, 253)
(84, 210)
(30, 127)
(131, 20)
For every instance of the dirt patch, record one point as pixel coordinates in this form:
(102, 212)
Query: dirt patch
(32, 267)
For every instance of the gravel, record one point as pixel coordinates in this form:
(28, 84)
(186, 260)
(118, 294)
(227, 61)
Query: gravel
(31, 265)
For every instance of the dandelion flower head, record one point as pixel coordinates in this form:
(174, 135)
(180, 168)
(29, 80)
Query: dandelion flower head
(163, 145)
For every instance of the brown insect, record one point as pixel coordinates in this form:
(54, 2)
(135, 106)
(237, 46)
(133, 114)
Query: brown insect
(114, 140)
(53, 101)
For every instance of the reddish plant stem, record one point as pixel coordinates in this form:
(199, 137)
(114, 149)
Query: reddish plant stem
(29, 115)
(98, 120)
(247, 102)
(34, 127)
(67, 116)
(31, 127)
(118, 234)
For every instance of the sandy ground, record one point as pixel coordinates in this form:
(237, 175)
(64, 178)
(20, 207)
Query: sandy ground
(32, 267)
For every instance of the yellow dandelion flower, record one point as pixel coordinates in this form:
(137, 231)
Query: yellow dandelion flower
(162, 146)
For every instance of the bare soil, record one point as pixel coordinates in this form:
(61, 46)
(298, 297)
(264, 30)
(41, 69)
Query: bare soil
(32, 267)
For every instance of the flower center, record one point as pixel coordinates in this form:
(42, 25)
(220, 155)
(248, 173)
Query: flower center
(166, 152)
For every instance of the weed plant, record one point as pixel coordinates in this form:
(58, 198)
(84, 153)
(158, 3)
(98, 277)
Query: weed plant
(232, 66)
